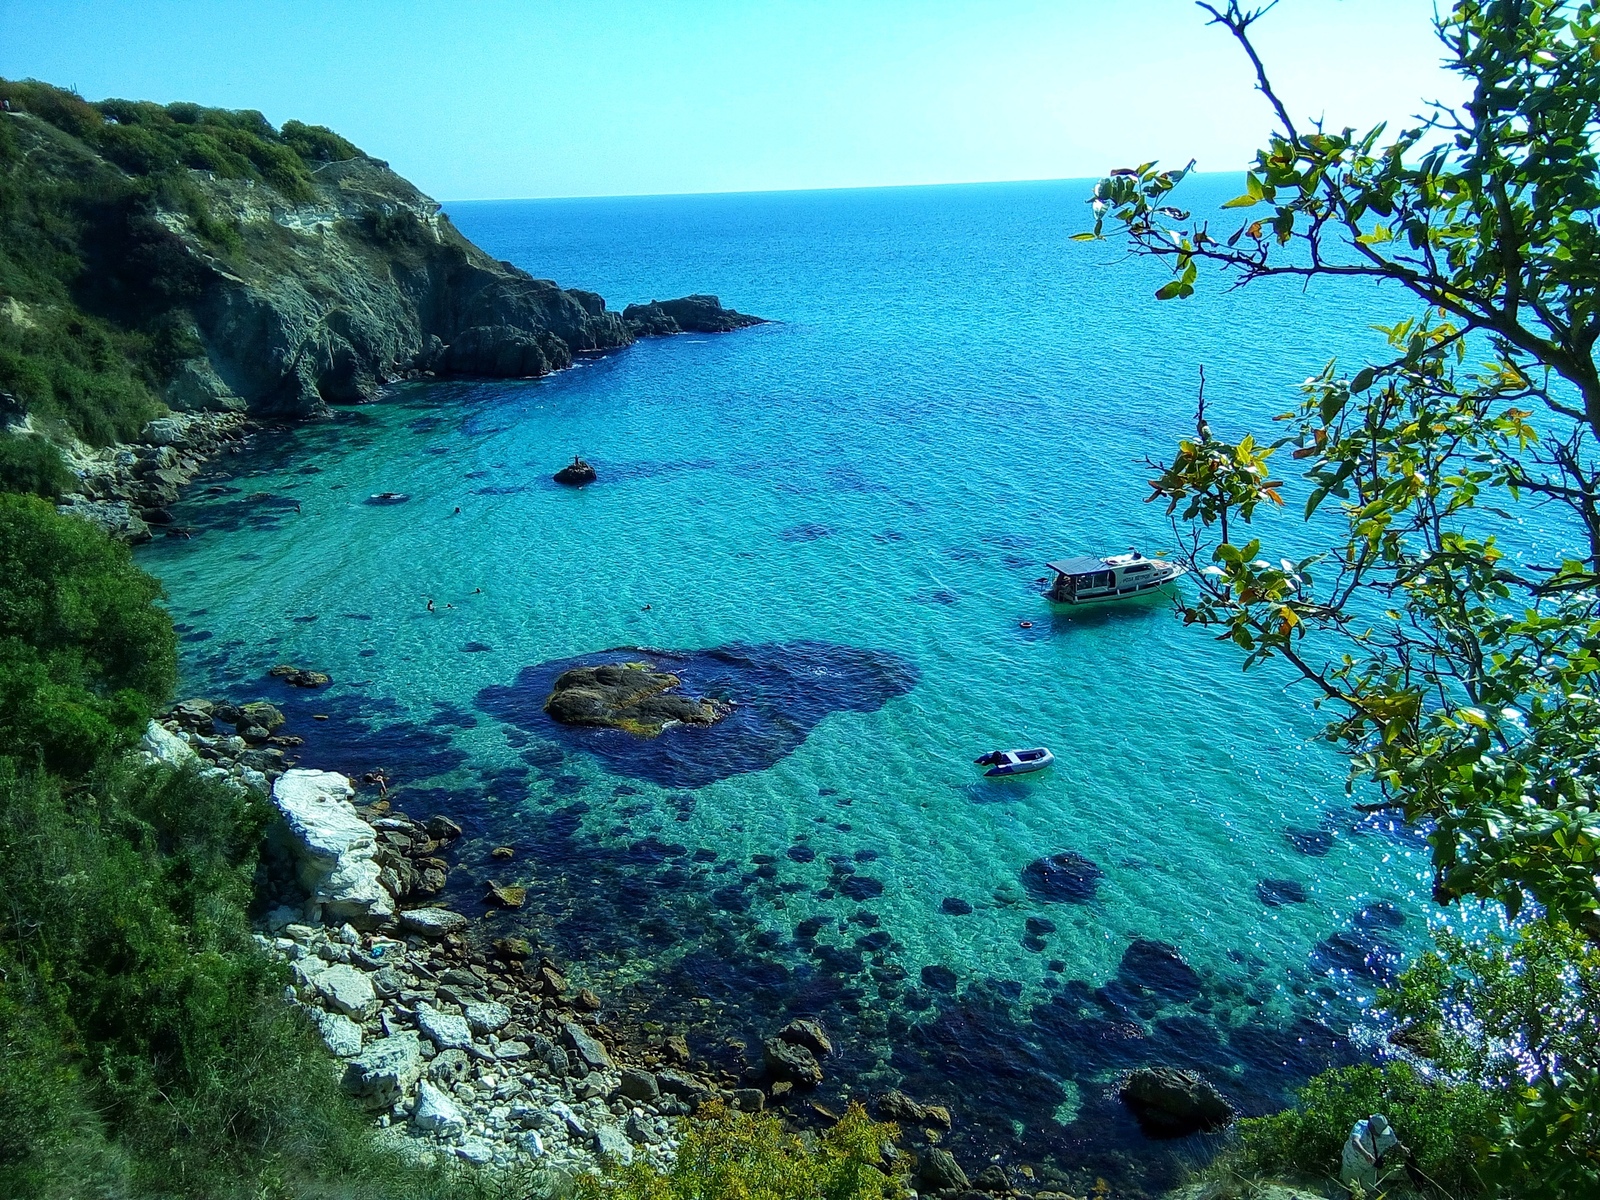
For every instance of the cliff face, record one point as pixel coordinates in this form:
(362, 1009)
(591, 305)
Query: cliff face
(369, 282)
(297, 273)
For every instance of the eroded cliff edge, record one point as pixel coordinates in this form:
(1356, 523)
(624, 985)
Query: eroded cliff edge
(278, 271)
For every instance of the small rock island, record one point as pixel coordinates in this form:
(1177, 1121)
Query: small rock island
(634, 697)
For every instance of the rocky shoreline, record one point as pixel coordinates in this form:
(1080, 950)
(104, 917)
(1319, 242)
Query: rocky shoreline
(486, 1054)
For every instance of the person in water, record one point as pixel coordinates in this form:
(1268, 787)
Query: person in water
(1370, 1142)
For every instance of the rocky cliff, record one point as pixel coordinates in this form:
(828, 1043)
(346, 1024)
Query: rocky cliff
(285, 272)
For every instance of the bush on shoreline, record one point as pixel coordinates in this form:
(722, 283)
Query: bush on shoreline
(727, 1155)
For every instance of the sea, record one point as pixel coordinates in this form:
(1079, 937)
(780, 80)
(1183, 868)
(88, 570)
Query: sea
(840, 520)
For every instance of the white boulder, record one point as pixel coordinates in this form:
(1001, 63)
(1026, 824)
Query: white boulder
(447, 1030)
(332, 847)
(160, 744)
(347, 991)
(385, 1071)
(435, 1112)
(341, 1035)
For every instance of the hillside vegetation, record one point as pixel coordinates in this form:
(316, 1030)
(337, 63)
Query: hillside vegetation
(93, 284)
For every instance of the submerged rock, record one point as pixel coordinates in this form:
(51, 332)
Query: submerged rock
(1276, 892)
(1067, 876)
(782, 691)
(1171, 1103)
(634, 697)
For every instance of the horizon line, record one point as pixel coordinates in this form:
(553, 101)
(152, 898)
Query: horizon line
(858, 187)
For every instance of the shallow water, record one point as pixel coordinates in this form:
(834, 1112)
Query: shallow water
(859, 499)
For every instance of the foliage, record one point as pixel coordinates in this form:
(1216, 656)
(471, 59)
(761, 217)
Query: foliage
(33, 465)
(1458, 655)
(85, 653)
(728, 1155)
(1461, 666)
(1518, 1013)
(1448, 1127)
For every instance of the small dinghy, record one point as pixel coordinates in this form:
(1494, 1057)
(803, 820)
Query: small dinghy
(1015, 762)
(388, 498)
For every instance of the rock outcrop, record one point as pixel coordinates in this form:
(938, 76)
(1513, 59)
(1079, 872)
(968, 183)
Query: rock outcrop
(332, 848)
(1173, 1103)
(576, 473)
(689, 314)
(297, 299)
(635, 697)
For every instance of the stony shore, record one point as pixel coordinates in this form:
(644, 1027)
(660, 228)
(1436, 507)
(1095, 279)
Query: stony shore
(484, 1053)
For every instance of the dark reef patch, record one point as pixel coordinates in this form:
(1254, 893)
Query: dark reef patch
(1066, 876)
(781, 691)
(1276, 892)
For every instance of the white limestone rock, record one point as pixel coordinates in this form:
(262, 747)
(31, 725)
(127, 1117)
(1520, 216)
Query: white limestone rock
(487, 1016)
(348, 991)
(385, 1071)
(332, 847)
(612, 1145)
(432, 922)
(435, 1112)
(446, 1030)
(341, 1035)
(161, 745)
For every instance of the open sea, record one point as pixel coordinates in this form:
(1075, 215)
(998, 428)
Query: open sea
(841, 520)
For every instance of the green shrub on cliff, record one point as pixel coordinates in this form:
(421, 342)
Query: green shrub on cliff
(32, 465)
(85, 653)
(145, 1048)
(728, 1155)
(1448, 1126)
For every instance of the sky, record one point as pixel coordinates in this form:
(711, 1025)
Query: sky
(485, 99)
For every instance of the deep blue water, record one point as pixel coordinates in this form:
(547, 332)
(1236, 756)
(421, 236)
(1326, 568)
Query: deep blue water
(840, 519)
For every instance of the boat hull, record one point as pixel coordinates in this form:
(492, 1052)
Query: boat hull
(1162, 587)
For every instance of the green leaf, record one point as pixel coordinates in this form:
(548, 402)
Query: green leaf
(1243, 202)
(1086, 237)
(1176, 289)
(1363, 379)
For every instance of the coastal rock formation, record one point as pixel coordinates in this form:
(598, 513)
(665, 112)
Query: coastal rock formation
(634, 696)
(1173, 1103)
(282, 290)
(332, 847)
(690, 314)
(576, 473)
(127, 490)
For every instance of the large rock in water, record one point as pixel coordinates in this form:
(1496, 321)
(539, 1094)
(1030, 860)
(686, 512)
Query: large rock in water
(1173, 1103)
(635, 697)
(331, 846)
(688, 314)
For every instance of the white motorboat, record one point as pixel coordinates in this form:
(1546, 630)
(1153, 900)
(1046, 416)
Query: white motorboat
(1117, 577)
(1015, 762)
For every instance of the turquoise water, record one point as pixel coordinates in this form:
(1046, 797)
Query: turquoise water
(951, 393)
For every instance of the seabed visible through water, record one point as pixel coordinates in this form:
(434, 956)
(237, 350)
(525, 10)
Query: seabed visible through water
(840, 520)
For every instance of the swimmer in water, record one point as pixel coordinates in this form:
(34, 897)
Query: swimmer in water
(430, 603)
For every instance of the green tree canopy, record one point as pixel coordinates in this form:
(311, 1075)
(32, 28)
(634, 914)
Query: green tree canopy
(1461, 665)
(85, 651)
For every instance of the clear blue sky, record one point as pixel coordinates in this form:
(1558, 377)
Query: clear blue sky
(475, 100)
